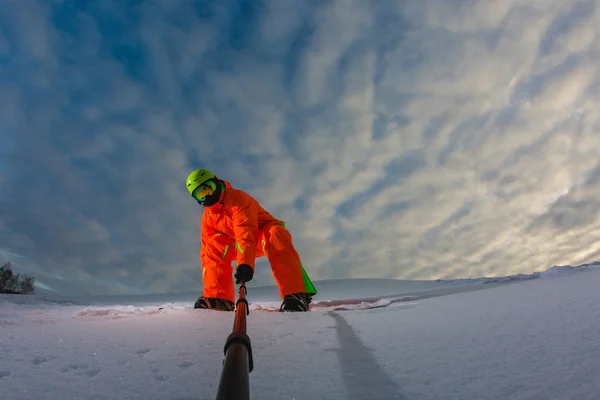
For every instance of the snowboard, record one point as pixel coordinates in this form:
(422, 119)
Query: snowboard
(337, 305)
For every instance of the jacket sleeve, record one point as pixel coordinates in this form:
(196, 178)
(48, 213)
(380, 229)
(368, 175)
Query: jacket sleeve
(206, 231)
(245, 227)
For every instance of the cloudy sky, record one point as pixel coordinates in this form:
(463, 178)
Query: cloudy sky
(414, 139)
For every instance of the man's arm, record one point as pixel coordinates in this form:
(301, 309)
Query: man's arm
(206, 232)
(245, 228)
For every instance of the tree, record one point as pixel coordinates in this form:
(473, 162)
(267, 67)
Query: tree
(15, 284)
(27, 285)
(6, 277)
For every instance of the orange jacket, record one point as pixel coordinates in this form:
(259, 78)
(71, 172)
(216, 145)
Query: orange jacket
(238, 216)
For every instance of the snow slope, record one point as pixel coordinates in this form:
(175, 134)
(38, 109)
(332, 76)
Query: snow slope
(524, 337)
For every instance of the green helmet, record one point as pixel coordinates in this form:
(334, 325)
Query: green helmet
(197, 178)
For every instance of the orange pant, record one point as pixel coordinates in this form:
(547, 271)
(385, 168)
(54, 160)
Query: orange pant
(274, 242)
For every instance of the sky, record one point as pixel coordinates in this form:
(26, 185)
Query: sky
(397, 139)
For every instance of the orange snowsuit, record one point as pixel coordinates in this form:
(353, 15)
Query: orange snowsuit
(238, 228)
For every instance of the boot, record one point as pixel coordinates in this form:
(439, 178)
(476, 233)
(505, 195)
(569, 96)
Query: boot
(214, 303)
(296, 302)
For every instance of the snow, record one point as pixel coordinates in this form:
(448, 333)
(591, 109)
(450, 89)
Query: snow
(523, 337)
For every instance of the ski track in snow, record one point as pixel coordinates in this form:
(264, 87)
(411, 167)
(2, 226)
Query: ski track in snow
(536, 339)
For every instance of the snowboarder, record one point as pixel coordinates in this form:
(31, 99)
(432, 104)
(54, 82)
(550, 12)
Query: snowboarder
(235, 227)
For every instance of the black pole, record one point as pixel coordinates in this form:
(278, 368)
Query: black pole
(235, 381)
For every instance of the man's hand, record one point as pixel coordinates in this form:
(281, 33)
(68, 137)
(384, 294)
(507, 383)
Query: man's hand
(243, 273)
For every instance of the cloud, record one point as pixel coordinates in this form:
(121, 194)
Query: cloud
(414, 140)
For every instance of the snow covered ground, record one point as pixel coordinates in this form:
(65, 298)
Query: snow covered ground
(523, 337)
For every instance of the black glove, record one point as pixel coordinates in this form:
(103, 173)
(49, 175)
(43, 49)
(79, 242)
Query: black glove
(243, 273)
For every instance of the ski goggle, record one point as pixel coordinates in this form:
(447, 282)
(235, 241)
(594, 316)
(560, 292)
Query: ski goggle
(206, 189)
